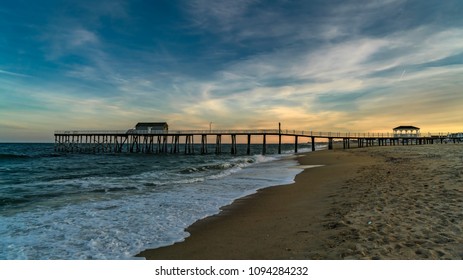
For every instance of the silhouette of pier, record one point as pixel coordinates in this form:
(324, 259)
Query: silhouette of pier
(182, 141)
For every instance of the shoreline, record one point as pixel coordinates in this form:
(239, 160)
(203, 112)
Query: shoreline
(261, 222)
(395, 202)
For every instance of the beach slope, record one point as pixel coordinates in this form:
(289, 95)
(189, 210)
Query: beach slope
(400, 202)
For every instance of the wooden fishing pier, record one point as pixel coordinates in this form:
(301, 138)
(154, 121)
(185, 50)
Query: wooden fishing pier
(182, 141)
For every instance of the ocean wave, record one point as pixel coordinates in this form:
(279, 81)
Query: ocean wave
(13, 156)
(88, 206)
(218, 166)
(8, 201)
(13, 201)
(113, 189)
(60, 194)
(24, 156)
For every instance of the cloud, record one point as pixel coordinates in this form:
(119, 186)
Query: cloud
(80, 37)
(116, 9)
(76, 40)
(223, 14)
(341, 75)
(13, 74)
(62, 41)
(358, 77)
(12, 126)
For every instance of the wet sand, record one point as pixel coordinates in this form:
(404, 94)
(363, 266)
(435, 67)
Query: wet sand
(399, 202)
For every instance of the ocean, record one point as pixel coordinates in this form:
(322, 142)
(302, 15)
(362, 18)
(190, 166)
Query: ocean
(113, 206)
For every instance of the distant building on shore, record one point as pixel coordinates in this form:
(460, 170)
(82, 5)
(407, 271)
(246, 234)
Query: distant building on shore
(406, 131)
(152, 126)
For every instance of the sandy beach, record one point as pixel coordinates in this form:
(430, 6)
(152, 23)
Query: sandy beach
(396, 202)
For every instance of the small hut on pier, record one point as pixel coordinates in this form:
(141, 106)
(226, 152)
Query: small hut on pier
(152, 126)
(406, 131)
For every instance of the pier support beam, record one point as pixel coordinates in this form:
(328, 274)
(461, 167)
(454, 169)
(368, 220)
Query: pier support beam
(248, 150)
(164, 144)
(218, 144)
(295, 144)
(203, 144)
(264, 144)
(176, 143)
(330, 143)
(346, 143)
(233, 144)
(189, 148)
(313, 143)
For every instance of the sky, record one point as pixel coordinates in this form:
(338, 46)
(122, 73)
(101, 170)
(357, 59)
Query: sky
(319, 65)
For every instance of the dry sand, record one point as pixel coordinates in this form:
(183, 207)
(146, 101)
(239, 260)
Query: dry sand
(399, 202)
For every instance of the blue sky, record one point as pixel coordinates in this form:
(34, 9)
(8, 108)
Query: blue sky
(312, 65)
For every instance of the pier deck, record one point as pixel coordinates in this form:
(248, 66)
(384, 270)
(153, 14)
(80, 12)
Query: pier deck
(163, 141)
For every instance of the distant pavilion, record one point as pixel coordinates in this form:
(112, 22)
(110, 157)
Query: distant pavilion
(406, 131)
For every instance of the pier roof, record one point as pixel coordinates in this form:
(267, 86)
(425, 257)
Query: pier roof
(404, 127)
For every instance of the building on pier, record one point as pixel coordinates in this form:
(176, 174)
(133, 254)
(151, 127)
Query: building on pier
(152, 126)
(404, 131)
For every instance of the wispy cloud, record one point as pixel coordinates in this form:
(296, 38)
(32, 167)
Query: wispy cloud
(13, 73)
(221, 14)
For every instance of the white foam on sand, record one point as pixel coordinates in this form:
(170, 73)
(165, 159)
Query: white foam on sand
(306, 166)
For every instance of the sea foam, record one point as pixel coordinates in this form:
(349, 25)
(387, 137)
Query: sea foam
(109, 212)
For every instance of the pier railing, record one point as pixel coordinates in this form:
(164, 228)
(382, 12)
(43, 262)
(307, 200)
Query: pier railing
(288, 132)
(164, 132)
